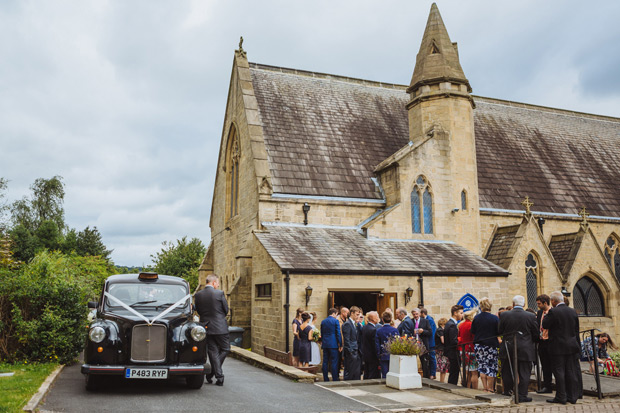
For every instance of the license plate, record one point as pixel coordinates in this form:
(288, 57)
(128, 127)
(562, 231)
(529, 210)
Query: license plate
(140, 373)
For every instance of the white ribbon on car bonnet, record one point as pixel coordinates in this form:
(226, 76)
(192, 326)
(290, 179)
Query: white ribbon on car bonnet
(163, 313)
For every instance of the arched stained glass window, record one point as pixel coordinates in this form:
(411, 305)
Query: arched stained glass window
(612, 253)
(588, 300)
(232, 174)
(415, 212)
(531, 281)
(427, 201)
(463, 200)
(421, 207)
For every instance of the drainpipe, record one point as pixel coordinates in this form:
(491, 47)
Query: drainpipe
(287, 306)
(421, 282)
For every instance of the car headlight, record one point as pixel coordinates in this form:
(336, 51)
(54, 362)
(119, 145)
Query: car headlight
(198, 333)
(96, 334)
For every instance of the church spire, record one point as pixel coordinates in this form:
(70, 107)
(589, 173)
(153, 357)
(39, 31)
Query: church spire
(438, 60)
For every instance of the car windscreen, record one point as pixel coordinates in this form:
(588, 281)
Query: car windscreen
(149, 296)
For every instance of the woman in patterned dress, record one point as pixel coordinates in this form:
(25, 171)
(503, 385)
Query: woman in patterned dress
(443, 364)
(484, 328)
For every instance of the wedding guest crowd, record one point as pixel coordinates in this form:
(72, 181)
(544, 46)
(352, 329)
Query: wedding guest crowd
(355, 343)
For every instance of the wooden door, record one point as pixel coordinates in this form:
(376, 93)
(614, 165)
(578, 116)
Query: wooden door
(386, 300)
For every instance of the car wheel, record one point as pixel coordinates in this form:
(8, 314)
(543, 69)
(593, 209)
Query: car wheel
(92, 382)
(195, 381)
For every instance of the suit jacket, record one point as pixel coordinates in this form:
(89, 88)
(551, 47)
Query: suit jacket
(406, 327)
(563, 325)
(349, 335)
(431, 339)
(382, 336)
(426, 334)
(451, 340)
(359, 327)
(330, 333)
(369, 351)
(212, 308)
(518, 319)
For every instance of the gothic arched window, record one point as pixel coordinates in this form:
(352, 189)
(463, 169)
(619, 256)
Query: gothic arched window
(612, 253)
(587, 298)
(531, 281)
(463, 200)
(232, 174)
(421, 207)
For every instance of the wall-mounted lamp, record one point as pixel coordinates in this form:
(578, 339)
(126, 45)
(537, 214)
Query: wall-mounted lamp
(455, 210)
(308, 294)
(408, 294)
(564, 291)
(306, 209)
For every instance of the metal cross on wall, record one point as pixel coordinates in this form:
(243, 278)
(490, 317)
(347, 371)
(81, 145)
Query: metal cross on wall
(527, 204)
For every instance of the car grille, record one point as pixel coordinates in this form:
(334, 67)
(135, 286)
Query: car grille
(148, 343)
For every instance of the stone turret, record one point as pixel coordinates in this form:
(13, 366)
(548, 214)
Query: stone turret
(441, 109)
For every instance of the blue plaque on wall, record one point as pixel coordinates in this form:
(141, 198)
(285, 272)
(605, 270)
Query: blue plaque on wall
(468, 302)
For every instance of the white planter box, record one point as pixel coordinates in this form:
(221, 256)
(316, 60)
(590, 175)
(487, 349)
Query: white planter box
(403, 373)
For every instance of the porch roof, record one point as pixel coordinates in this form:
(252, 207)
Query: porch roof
(329, 250)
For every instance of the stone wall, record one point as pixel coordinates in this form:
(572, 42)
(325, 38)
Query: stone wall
(267, 313)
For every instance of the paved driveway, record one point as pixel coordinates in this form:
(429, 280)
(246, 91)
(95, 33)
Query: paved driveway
(246, 389)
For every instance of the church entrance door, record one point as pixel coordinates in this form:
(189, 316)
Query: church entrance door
(366, 300)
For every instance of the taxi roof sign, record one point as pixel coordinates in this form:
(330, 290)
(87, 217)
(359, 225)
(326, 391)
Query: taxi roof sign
(148, 276)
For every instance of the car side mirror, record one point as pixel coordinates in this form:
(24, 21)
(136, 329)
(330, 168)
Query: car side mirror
(93, 304)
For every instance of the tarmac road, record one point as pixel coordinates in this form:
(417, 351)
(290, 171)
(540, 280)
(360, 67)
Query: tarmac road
(246, 389)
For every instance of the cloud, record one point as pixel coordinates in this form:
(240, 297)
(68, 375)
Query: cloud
(126, 100)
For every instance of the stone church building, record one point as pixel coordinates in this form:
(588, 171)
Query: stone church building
(338, 191)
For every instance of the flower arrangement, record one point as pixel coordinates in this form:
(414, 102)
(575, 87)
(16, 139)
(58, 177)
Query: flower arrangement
(404, 346)
(316, 335)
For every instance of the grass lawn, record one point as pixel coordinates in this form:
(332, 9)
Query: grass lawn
(16, 390)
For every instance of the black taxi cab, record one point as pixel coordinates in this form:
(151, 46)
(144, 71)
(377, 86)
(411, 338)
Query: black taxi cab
(143, 328)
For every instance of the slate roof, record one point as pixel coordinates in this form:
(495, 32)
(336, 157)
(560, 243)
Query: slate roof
(564, 249)
(325, 134)
(501, 244)
(345, 251)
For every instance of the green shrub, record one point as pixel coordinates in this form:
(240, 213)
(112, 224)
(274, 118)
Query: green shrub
(43, 306)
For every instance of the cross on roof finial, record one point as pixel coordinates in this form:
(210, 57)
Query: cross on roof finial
(241, 51)
(584, 215)
(527, 204)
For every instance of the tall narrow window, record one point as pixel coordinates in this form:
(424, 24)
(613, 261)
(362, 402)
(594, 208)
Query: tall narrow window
(421, 207)
(587, 298)
(427, 201)
(415, 212)
(232, 174)
(531, 281)
(612, 253)
(463, 200)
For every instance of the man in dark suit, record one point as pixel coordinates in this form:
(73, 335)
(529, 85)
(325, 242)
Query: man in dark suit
(544, 350)
(369, 351)
(451, 341)
(212, 308)
(331, 340)
(563, 325)
(406, 325)
(352, 361)
(518, 320)
(422, 330)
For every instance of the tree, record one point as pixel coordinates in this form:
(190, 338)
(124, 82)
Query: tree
(46, 204)
(181, 259)
(89, 242)
(3, 206)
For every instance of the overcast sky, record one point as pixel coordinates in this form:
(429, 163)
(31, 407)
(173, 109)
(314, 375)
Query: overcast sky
(125, 99)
